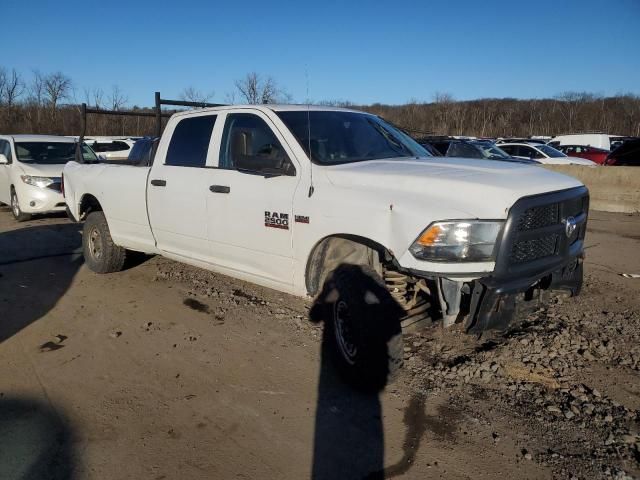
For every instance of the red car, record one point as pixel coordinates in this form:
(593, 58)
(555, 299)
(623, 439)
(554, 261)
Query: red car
(598, 155)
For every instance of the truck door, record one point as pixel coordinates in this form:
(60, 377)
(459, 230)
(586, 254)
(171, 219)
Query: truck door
(249, 203)
(177, 189)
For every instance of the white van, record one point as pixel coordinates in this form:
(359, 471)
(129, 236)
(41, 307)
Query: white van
(31, 170)
(598, 140)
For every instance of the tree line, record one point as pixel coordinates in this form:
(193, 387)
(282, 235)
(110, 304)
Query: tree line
(50, 103)
(569, 112)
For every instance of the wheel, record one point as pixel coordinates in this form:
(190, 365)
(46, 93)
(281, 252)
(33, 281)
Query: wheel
(365, 327)
(100, 253)
(15, 208)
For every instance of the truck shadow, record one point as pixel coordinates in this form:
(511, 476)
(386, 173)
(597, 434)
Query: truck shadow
(37, 265)
(36, 441)
(349, 434)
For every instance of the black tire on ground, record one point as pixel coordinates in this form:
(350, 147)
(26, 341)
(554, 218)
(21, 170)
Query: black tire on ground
(100, 253)
(364, 326)
(17, 212)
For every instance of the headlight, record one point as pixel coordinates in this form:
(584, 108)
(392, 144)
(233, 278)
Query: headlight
(457, 241)
(41, 182)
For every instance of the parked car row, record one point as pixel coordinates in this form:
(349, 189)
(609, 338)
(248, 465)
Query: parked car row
(601, 148)
(626, 150)
(536, 153)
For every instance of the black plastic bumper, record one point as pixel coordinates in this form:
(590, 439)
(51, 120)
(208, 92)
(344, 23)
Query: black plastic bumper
(495, 302)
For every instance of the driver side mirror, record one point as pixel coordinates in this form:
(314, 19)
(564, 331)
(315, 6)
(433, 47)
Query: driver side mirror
(270, 160)
(3, 159)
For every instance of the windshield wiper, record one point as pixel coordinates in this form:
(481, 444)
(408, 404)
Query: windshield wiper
(391, 140)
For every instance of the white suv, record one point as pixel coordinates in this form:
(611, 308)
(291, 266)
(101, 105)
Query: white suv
(31, 170)
(543, 154)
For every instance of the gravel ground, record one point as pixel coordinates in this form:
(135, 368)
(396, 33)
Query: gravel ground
(169, 371)
(568, 374)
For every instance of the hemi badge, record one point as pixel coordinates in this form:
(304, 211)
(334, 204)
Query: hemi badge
(302, 219)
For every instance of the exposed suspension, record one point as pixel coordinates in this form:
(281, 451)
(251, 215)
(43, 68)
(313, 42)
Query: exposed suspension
(406, 290)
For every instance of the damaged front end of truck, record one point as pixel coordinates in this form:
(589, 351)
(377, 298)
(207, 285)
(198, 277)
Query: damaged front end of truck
(539, 250)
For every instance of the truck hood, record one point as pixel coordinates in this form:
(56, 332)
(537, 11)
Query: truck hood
(476, 188)
(41, 170)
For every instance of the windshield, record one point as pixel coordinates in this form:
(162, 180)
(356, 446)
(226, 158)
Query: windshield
(550, 151)
(490, 151)
(345, 137)
(51, 153)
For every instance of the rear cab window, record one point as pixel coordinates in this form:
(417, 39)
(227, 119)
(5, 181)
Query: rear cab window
(143, 152)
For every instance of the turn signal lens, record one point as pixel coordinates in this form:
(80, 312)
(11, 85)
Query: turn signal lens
(430, 236)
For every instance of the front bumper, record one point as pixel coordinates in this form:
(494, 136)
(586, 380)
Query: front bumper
(496, 302)
(40, 200)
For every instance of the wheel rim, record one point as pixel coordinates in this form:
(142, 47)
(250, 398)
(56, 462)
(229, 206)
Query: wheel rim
(95, 243)
(14, 205)
(344, 332)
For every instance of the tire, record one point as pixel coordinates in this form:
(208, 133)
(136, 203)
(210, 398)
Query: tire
(100, 253)
(364, 326)
(17, 212)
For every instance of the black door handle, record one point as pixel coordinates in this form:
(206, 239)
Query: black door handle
(159, 183)
(220, 189)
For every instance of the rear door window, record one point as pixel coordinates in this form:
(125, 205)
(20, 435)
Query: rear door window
(190, 142)
(142, 152)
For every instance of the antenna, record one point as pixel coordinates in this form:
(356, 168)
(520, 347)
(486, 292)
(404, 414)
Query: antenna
(306, 74)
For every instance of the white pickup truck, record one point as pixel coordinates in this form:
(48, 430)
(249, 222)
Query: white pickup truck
(344, 207)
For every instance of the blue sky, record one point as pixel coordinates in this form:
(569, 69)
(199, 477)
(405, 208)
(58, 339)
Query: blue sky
(364, 52)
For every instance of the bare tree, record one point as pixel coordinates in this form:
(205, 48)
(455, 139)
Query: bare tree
(94, 97)
(3, 82)
(11, 87)
(254, 89)
(117, 99)
(191, 94)
(36, 88)
(57, 86)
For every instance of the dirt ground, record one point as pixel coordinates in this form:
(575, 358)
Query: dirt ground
(165, 371)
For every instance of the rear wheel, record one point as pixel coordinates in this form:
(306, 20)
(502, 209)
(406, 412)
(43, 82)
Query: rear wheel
(17, 212)
(100, 253)
(365, 327)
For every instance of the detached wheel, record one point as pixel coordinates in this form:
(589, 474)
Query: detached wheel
(365, 327)
(100, 253)
(16, 210)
